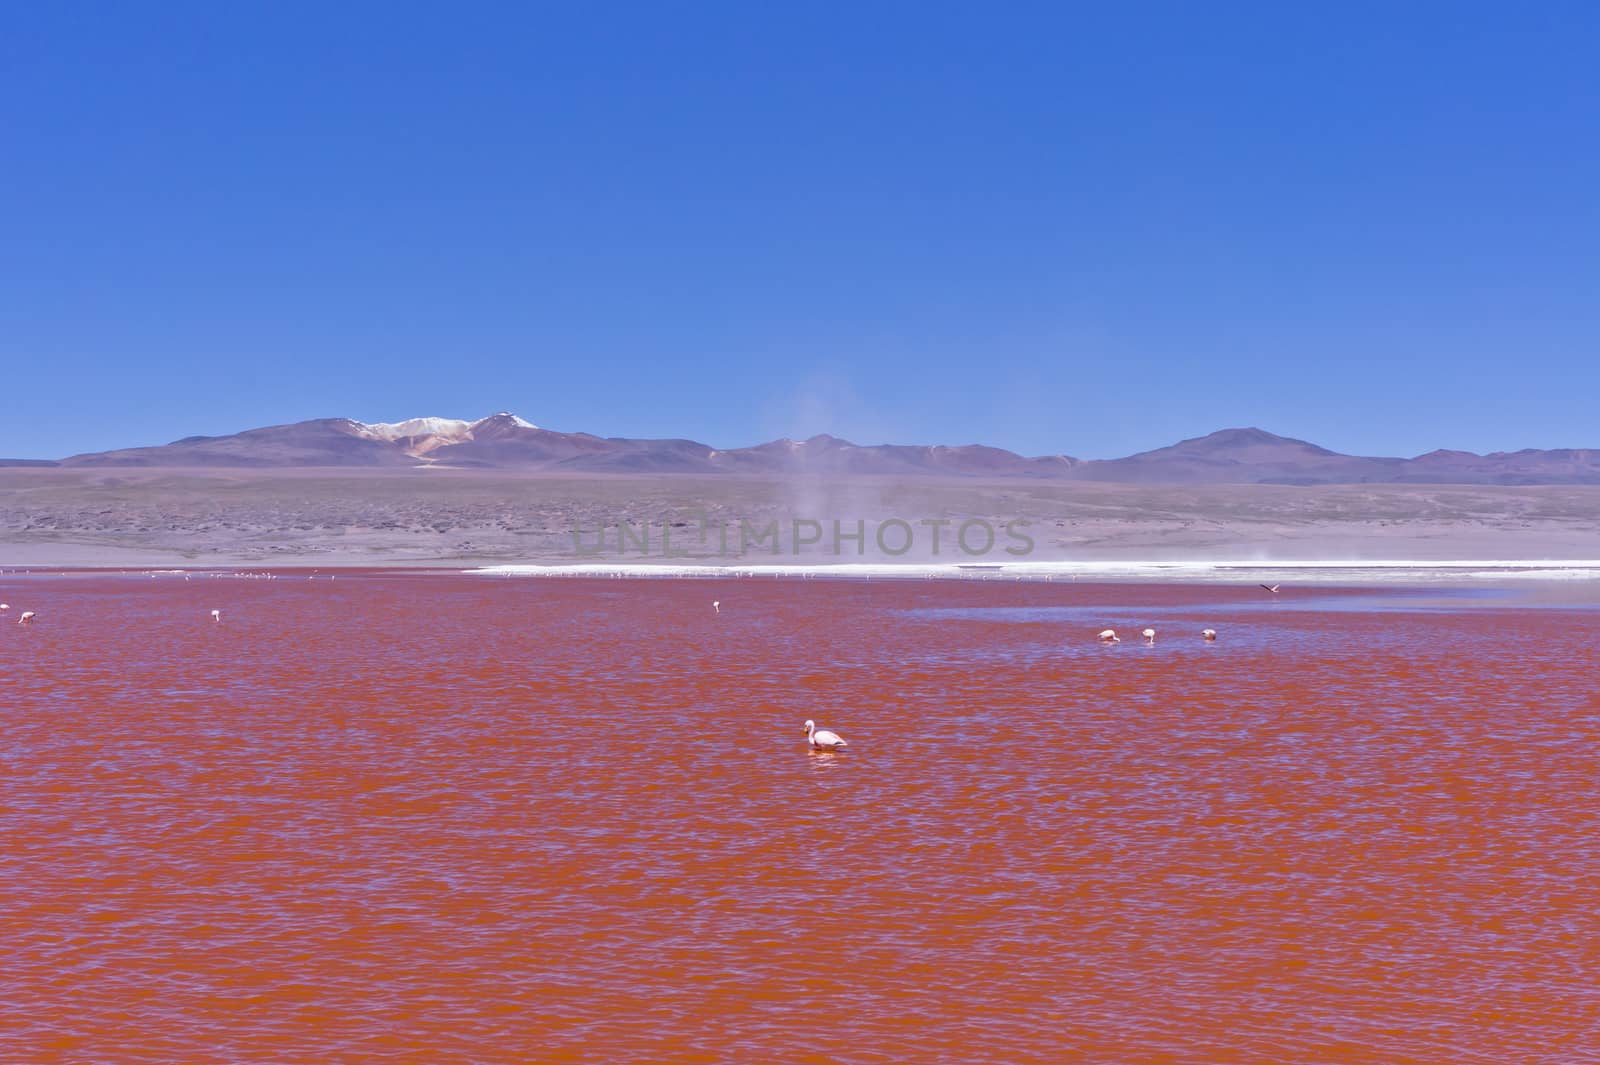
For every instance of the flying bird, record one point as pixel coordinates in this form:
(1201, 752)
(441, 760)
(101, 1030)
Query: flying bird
(821, 739)
(1273, 588)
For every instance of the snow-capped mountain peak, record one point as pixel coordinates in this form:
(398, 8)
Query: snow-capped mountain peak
(422, 435)
(506, 416)
(451, 427)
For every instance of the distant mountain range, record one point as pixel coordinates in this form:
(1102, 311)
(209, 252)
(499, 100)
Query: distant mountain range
(505, 441)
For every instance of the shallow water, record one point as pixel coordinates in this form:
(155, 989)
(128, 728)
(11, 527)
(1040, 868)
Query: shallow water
(462, 819)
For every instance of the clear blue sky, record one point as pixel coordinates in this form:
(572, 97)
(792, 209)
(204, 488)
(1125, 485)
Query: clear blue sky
(1083, 229)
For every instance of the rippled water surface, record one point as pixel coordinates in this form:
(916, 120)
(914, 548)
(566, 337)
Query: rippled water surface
(467, 819)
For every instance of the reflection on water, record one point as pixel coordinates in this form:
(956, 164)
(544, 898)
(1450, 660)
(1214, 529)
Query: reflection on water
(456, 820)
(827, 761)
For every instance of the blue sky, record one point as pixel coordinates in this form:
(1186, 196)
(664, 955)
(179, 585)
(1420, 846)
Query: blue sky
(1084, 229)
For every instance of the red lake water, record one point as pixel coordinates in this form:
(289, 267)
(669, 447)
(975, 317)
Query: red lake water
(432, 818)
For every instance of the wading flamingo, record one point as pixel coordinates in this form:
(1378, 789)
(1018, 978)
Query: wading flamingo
(821, 739)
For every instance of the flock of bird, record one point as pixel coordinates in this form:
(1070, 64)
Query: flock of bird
(818, 739)
(1110, 636)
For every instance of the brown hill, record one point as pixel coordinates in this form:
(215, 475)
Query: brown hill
(504, 441)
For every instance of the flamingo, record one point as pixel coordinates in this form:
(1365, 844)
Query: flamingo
(821, 739)
(1208, 635)
(1149, 636)
(5, 606)
(216, 615)
(716, 604)
(26, 618)
(1109, 636)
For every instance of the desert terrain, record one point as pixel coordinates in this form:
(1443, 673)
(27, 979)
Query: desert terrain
(56, 516)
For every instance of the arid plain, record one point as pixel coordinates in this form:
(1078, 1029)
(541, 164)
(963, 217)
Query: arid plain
(431, 517)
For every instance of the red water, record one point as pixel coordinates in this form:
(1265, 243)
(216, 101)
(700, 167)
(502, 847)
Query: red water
(461, 819)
